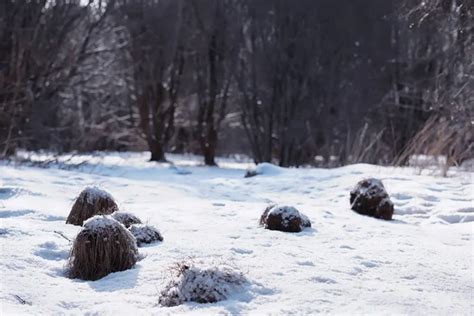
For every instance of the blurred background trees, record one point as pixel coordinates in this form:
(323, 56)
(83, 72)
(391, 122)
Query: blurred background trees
(305, 82)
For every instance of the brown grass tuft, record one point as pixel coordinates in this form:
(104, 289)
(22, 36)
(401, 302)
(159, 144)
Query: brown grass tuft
(103, 246)
(91, 201)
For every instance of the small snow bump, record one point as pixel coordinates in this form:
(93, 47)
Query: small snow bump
(242, 251)
(321, 279)
(346, 247)
(369, 264)
(305, 263)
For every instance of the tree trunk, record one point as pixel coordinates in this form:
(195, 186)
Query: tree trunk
(157, 152)
(209, 145)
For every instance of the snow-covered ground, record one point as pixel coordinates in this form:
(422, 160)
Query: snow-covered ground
(419, 263)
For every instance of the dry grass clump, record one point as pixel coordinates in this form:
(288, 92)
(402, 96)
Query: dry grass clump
(127, 219)
(284, 218)
(91, 201)
(103, 246)
(370, 198)
(145, 234)
(201, 284)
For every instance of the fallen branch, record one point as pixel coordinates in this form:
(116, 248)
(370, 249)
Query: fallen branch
(62, 235)
(20, 300)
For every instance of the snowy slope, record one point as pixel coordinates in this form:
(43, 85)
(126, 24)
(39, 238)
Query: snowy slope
(420, 263)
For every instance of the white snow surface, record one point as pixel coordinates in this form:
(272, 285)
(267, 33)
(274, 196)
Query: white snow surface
(419, 263)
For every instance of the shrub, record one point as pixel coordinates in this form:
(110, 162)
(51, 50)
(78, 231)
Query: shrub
(103, 246)
(145, 234)
(284, 218)
(370, 198)
(91, 201)
(201, 284)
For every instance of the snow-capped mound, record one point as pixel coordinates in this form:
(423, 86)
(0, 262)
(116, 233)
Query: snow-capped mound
(284, 218)
(90, 202)
(145, 234)
(264, 168)
(202, 284)
(127, 219)
(369, 197)
(103, 246)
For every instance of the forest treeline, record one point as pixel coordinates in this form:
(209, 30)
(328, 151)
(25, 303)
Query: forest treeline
(292, 82)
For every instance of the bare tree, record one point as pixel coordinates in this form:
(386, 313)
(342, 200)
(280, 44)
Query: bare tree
(157, 35)
(214, 59)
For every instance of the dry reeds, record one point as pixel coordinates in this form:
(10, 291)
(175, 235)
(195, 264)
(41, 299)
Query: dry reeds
(90, 202)
(442, 137)
(103, 246)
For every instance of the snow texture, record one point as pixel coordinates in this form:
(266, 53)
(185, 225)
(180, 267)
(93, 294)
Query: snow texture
(145, 234)
(418, 263)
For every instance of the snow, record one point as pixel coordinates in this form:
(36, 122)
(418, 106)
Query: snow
(264, 168)
(287, 212)
(100, 222)
(419, 263)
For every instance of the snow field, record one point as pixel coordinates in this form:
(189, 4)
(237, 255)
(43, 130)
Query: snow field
(421, 262)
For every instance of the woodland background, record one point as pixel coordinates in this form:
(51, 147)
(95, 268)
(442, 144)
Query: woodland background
(292, 82)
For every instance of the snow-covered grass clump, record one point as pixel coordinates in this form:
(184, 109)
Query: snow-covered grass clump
(201, 283)
(145, 234)
(369, 197)
(264, 168)
(103, 246)
(90, 202)
(284, 218)
(127, 219)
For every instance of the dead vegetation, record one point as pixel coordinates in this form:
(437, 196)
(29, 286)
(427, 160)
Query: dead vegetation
(370, 198)
(103, 246)
(441, 137)
(284, 218)
(201, 283)
(91, 201)
(145, 234)
(127, 219)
